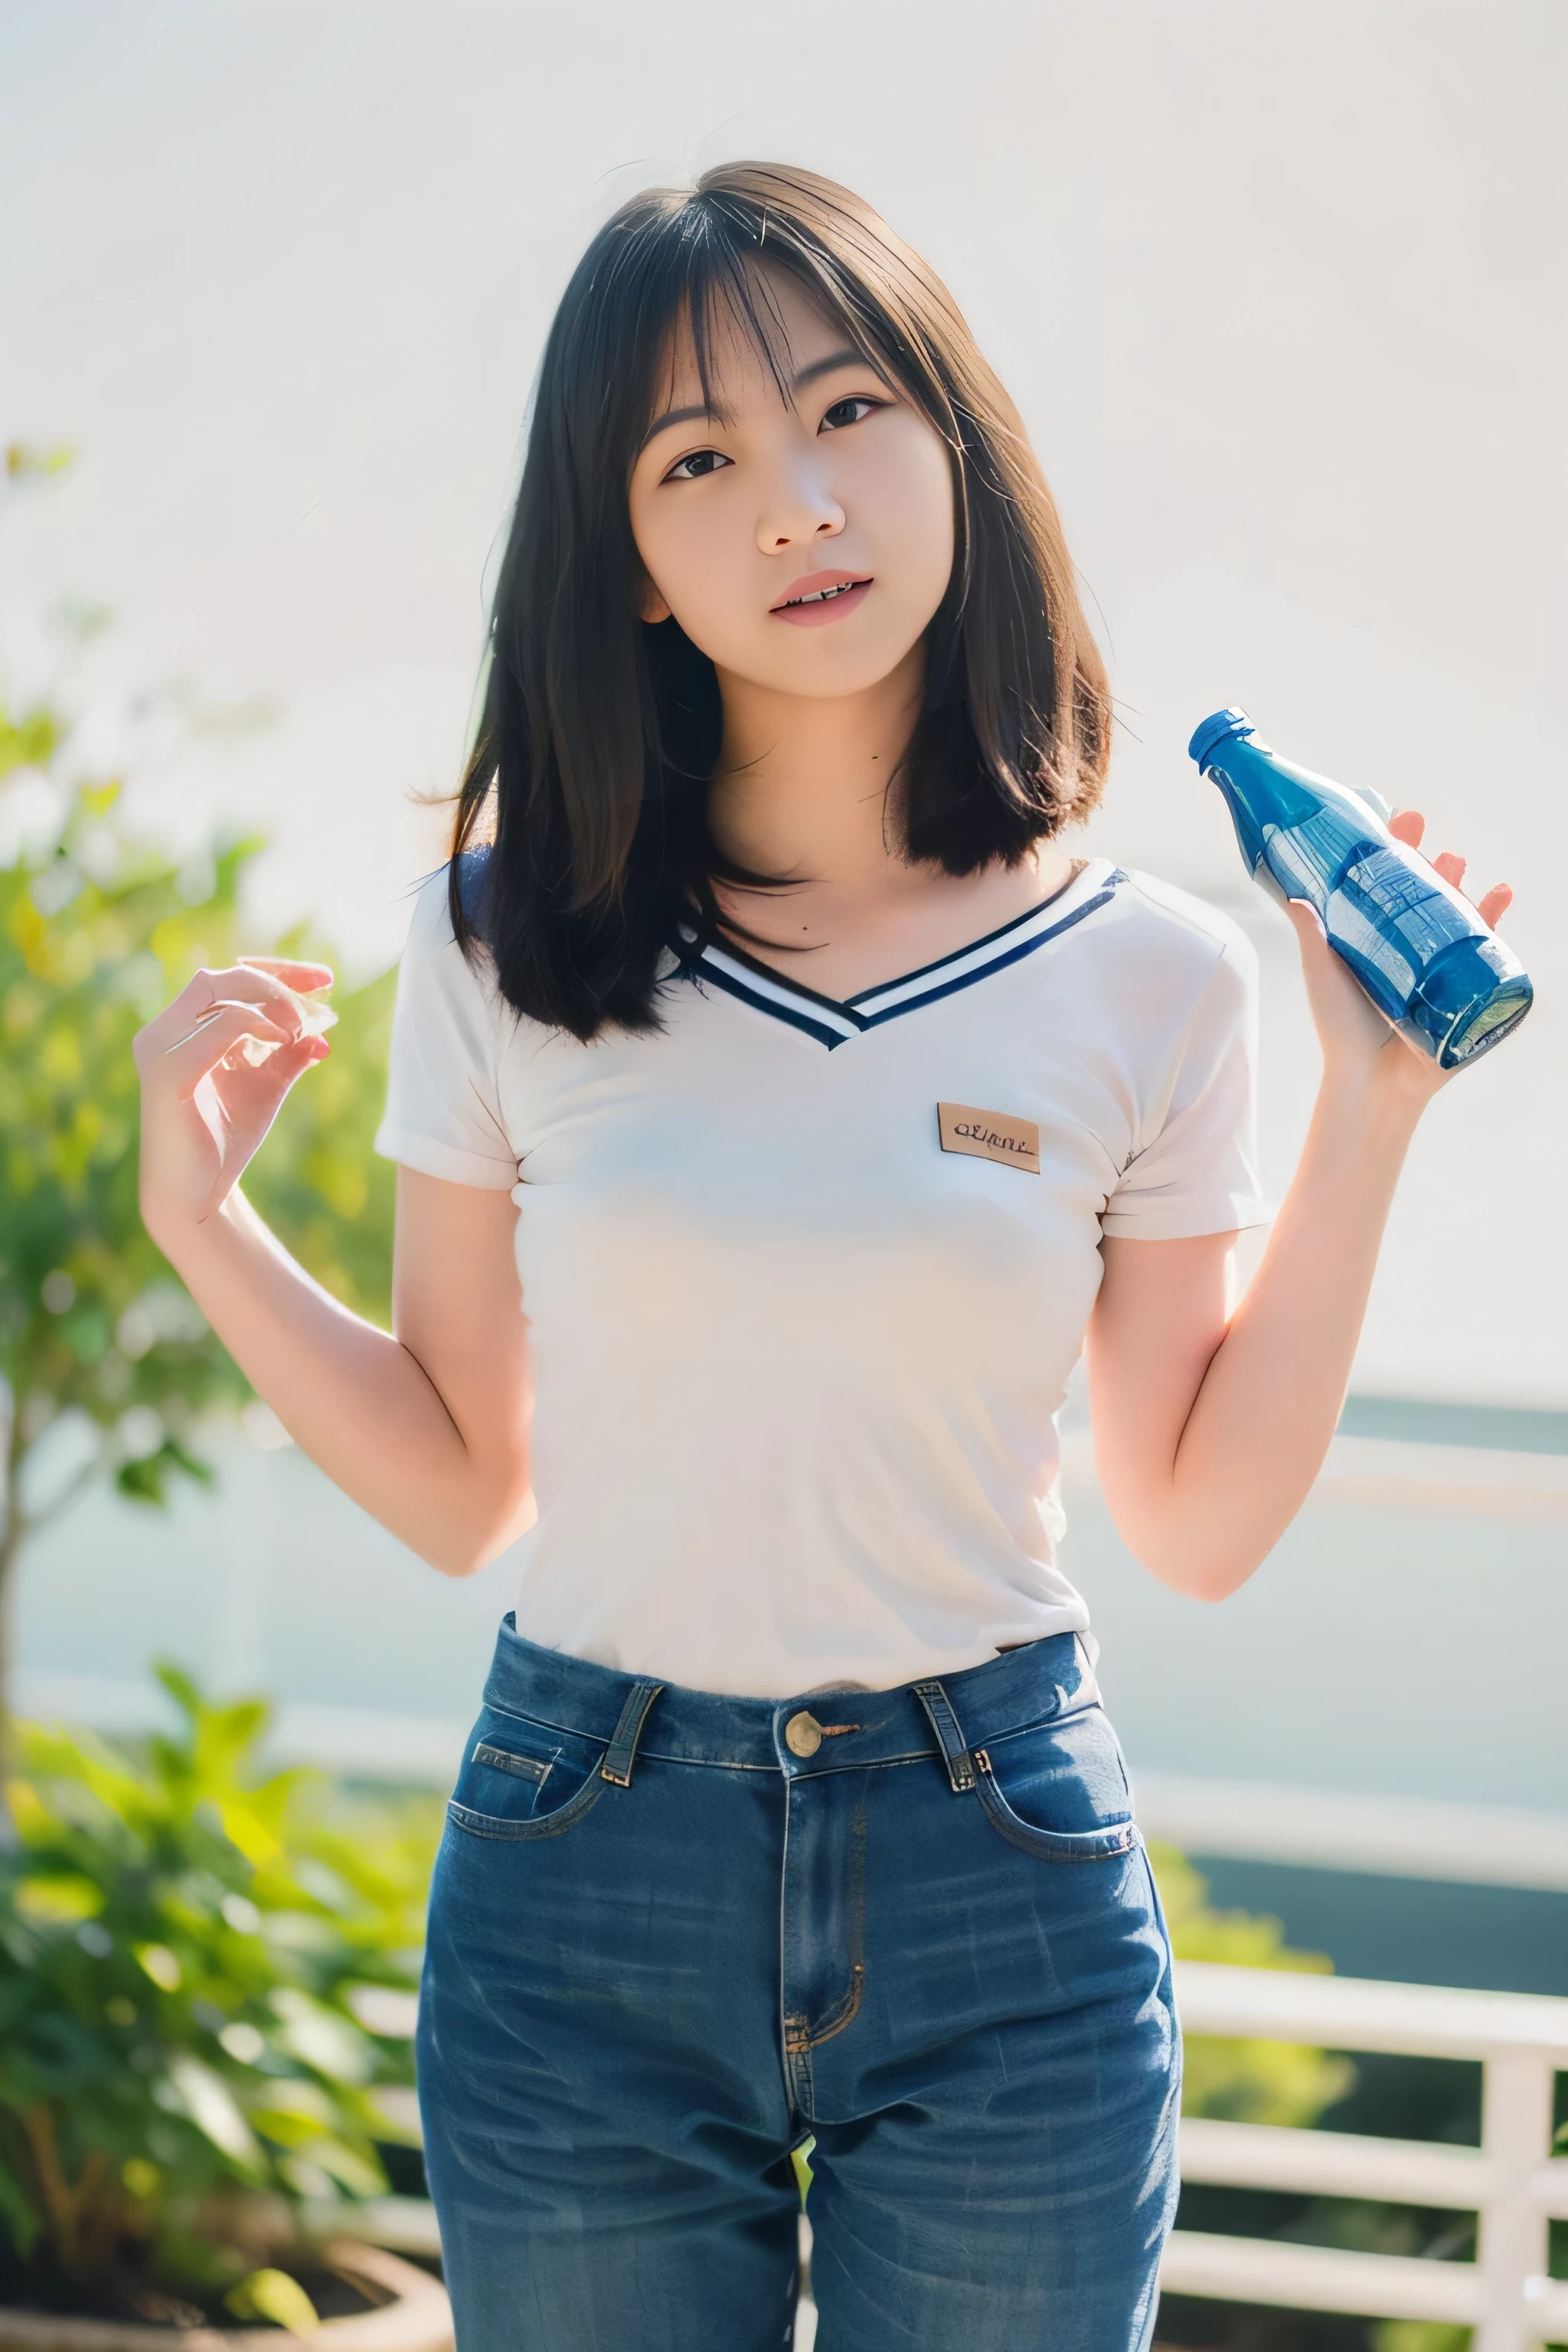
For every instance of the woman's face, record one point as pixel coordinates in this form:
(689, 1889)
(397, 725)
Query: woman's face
(804, 542)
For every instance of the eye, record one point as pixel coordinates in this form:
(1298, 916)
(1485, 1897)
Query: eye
(700, 464)
(852, 411)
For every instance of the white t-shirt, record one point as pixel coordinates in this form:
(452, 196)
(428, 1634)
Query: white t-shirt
(797, 1336)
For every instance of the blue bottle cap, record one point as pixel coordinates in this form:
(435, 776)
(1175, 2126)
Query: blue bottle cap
(1218, 727)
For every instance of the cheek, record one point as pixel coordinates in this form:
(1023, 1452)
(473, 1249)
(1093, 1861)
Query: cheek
(912, 490)
(692, 552)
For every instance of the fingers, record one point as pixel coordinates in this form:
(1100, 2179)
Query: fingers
(283, 1064)
(304, 977)
(238, 983)
(214, 1034)
(1453, 868)
(1409, 826)
(295, 982)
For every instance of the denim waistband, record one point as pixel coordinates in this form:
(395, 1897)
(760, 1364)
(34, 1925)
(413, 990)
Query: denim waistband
(666, 1722)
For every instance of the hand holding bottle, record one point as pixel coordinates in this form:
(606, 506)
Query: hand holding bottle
(216, 1065)
(1427, 961)
(1352, 1034)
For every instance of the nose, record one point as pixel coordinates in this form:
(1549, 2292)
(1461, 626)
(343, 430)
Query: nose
(799, 507)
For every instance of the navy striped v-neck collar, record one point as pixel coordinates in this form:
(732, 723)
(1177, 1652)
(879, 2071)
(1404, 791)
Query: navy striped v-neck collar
(832, 1022)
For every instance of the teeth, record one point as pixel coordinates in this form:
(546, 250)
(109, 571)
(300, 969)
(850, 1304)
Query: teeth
(821, 596)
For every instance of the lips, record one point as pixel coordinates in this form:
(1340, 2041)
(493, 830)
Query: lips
(820, 586)
(822, 596)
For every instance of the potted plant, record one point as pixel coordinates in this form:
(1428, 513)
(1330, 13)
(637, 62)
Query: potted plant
(190, 2065)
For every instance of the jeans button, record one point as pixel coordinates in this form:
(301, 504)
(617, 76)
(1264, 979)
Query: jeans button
(802, 1733)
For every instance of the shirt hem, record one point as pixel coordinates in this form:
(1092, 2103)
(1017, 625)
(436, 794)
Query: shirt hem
(432, 1159)
(1187, 1224)
(664, 1664)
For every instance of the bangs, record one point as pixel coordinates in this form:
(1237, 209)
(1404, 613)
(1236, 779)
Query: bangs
(728, 295)
(710, 278)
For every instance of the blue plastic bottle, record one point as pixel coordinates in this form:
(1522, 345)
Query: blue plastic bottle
(1416, 945)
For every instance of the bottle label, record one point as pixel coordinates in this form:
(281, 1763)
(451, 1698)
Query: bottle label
(1401, 900)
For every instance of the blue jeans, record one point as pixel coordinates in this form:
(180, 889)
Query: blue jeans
(672, 1935)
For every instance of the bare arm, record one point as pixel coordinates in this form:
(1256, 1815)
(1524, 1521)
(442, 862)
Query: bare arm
(424, 1426)
(1211, 1425)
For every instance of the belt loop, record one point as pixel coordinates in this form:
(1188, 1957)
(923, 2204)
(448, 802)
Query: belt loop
(949, 1738)
(623, 1747)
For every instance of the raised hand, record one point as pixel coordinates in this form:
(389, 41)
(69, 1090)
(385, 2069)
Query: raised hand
(1354, 1034)
(215, 1067)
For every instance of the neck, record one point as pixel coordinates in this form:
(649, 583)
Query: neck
(801, 785)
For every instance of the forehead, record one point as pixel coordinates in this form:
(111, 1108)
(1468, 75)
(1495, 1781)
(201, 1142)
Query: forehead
(744, 346)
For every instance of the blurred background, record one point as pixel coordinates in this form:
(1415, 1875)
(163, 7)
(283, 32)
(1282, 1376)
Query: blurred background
(1277, 286)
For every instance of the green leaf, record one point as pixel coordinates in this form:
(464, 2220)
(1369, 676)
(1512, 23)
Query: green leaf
(61, 1899)
(356, 2175)
(180, 1689)
(18, 2210)
(212, 2108)
(274, 2295)
(29, 741)
(27, 461)
(147, 1481)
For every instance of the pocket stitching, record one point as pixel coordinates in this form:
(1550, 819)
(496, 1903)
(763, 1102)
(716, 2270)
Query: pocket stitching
(1048, 1845)
(566, 1817)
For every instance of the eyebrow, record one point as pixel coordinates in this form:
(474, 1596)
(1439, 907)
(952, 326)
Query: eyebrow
(847, 357)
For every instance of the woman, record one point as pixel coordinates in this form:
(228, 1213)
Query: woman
(764, 1041)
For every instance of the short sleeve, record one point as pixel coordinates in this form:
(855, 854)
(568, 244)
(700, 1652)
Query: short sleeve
(1198, 1172)
(443, 1104)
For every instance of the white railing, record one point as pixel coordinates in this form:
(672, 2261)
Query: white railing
(1510, 2182)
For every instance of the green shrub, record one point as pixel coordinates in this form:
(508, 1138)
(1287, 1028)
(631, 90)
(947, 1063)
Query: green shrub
(98, 930)
(186, 1954)
(108, 1370)
(1419, 2335)
(1243, 2082)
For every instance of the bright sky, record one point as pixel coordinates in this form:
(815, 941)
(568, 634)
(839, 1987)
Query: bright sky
(1276, 286)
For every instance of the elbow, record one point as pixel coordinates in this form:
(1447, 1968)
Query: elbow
(1205, 1573)
(1203, 1549)
(464, 1547)
(457, 1564)
(450, 1553)
(1212, 1581)
(1189, 1543)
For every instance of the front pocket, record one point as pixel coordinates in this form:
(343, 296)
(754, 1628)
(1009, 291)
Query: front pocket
(525, 1780)
(566, 1817)
(1060, 1789)
(1051, 1845)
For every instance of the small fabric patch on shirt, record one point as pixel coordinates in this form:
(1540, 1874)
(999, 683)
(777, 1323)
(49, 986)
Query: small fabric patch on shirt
(990, 1135)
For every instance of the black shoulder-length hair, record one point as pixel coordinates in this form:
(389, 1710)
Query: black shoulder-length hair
(598, 731)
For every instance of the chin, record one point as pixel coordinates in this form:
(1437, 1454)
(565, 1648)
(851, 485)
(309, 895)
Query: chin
(852, 669)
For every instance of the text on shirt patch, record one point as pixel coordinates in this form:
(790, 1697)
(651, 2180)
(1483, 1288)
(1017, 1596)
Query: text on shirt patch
(989, 1135)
